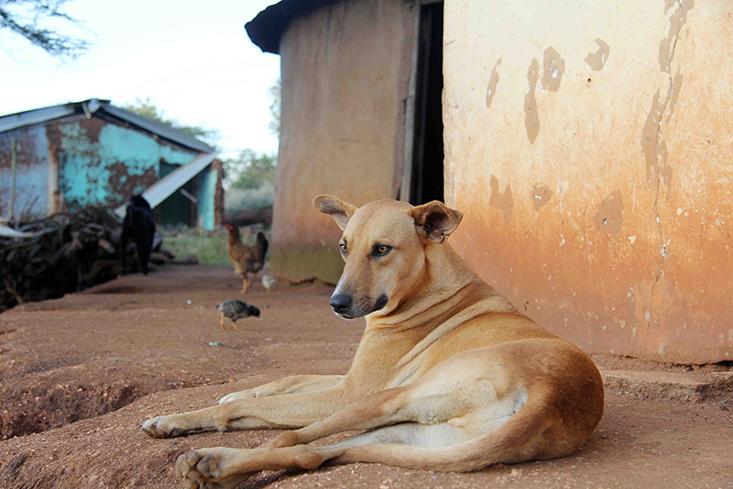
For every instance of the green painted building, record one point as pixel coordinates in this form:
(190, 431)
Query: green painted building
(92, 153)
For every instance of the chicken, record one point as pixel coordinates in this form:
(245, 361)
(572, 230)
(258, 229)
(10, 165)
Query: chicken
(235, 310)
(269, 282)
(245, 259)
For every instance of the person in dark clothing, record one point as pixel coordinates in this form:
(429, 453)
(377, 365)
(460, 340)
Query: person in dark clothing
(138, 226)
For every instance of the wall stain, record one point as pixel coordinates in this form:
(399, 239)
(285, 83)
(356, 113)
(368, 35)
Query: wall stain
(597, 60)
(493, 81)
(676, 86)
(676, 21)
(124, 184)
(553, 68)
(541, 195)
(609, 218)
(662, 171)
(650, 142)
(501, 200)
(92, 127)
(531, 117)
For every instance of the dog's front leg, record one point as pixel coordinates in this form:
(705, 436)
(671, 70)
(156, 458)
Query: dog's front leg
(288, 385)
(226, 468)
(281, 411)
(220, 467)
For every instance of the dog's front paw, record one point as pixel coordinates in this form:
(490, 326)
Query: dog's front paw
(206, 469)
(162, 427)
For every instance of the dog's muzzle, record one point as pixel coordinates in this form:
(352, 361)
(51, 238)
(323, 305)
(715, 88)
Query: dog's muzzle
(345, 306)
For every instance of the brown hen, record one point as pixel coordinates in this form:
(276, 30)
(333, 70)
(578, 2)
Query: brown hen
(245, 259)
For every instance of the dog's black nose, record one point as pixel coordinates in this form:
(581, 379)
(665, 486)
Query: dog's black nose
(340, 303)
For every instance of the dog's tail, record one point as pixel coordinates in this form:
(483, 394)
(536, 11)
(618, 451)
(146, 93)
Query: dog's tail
(515, 441)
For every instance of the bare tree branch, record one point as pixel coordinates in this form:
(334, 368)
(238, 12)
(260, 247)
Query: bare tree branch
(25, 18)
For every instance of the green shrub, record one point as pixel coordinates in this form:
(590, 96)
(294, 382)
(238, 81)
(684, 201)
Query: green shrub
(210, 248)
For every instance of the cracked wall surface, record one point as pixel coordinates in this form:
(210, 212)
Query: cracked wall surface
(601, 205)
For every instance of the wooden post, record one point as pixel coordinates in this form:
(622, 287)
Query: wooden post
(13, 169)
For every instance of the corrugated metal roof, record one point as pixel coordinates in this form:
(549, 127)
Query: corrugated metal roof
(8, 232)
(156, 127)
(36, 116)
(163, 188)
(92, 106)
(266, 29)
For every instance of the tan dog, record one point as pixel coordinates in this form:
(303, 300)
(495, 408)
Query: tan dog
(448, 375)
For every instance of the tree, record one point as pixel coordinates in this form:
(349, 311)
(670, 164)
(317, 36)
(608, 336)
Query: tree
(251, 170)
(146, 108)
(28, 18)
(275, 93)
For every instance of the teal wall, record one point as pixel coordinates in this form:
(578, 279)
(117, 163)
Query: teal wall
(100, 162)
(206, 197)
(106, 169)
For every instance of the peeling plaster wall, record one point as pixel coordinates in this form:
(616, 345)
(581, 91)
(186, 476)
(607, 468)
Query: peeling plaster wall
(31, 174)
(345, 71)
(103, 163)
(590, 146)
(75, 161)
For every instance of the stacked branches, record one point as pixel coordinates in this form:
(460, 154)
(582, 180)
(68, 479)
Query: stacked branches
(67, 252)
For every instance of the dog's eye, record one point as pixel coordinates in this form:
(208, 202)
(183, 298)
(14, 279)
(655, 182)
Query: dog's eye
(342, 249)
(381, 249)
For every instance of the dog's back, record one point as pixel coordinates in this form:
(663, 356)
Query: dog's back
(139, 226)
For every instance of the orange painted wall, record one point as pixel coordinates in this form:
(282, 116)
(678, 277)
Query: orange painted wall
(590, 146)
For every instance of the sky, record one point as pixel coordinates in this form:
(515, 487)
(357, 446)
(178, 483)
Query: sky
(193, 60)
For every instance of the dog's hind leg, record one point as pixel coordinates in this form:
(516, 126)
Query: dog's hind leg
(479, 397)
(386, 407)
(280, 411)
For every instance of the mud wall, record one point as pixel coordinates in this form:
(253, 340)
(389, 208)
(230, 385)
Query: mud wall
(591, 149)
(345, 71)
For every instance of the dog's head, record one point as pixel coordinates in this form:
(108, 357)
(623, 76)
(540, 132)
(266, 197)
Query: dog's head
(384, 246)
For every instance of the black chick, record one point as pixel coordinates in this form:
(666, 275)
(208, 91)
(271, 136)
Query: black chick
(235, 310)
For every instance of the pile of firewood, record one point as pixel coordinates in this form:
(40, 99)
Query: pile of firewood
(64, 253)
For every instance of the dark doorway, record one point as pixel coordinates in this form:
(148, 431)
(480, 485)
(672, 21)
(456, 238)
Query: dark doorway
(426, 182)
(177, 209)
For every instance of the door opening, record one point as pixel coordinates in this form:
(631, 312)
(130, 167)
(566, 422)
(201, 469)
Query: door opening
(426, 177)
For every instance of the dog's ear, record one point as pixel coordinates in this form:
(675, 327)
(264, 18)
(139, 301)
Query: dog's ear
(435, 221)
(339, 210)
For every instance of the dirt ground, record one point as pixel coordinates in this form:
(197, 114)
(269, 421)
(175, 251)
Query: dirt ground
(79, 374)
